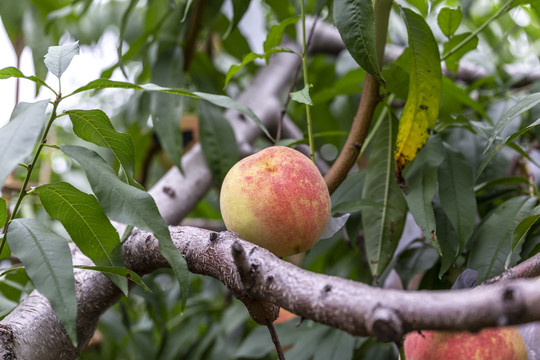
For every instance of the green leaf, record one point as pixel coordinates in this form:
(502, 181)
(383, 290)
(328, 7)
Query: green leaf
(11, 71)
(446, 236)
(58, 58)
(219, 100)
(275, 35)
(457, 195)
(422, 106)
(356, 205)
(167, 109)
(249, 58)
(19, 136)
(239, 9)
(129, 205)
(336, 345)
(492, 242)
(107, 84)
(120, 272)
(302, 96)
(3, 212)
(217, 140)
(524, 226)
(228, 103)
(421, 179)
(186, 9)
(496, 144)
(47, 260)
(96, 127)
(452, 61)
(355, 21)
(415, 260)
(86, 223)
(382, 225)
(449, 20)
(451, 89)
(349, 84)
(520, 107)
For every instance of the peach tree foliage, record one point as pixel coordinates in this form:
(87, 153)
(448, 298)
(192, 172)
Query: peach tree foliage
(441, 147)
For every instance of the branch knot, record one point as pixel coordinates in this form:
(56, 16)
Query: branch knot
(386, 325)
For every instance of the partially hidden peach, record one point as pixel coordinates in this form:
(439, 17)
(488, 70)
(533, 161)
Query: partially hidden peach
(276, 199)
(503, 343)
(284, 316)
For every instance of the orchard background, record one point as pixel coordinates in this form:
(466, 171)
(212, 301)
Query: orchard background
(421, 115)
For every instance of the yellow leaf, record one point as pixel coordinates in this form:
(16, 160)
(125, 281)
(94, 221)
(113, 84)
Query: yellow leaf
(425, 90)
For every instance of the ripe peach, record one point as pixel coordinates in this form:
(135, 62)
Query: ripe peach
(276, 199)
(503, 343)
(284, 316)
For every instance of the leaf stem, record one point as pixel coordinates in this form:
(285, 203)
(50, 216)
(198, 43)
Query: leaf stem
(306, 83)
(477, 31)
(30, 168)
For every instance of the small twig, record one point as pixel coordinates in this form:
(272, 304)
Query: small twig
(242, 263)
(275, 340)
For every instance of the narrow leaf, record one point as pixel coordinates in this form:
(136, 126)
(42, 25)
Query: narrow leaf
(421, 179)
(47, 260)
(228, 103)
(167, 109)
(58, 58)
(446, 236)
(96, 127)
(105, 84)
(302, 96)
(415, 260)
(218, 141)
(382, 225)
(11, 71)
(452, 61)
(275, 34)
(449, 20)
(422, 106)
(492, 242)
(219, 100)
(86, 223)
(355, 21)
(355, 205)
(249, 58)
(118, 272)
(457, 195)
(239, 9)
(524, 226)
(129, 205)
(19, 136)
(520, 107)
(499, 144)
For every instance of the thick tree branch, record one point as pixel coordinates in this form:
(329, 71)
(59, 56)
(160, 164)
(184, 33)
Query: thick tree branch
(354, 307)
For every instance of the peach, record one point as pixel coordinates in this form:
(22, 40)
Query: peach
(503, 343)
(284, 316)
(276, 199)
